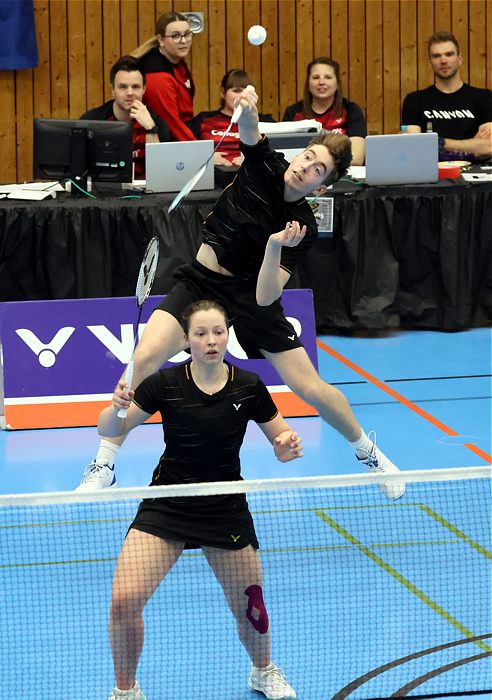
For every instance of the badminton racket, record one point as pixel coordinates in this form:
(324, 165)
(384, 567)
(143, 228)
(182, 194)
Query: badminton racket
(145, 281)
(188, 186)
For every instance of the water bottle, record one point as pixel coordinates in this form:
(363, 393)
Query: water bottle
(403, 129)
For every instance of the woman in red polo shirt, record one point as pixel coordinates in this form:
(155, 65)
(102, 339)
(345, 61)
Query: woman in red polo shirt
(323, 100)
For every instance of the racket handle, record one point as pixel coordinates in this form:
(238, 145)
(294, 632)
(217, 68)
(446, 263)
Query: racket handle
(239, 109)
(128, 379)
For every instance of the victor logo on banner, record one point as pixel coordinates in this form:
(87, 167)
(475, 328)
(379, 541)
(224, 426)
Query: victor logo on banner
(62, 359)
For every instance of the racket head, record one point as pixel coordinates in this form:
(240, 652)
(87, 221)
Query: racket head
(187, 187)
(147, 271)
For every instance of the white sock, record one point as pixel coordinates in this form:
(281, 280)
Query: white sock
(107, 451)
(362, 446)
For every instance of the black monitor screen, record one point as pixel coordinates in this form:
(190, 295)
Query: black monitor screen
(300, 140)
(76, 149)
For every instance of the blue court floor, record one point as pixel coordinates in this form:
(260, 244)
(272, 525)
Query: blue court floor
(367, 598)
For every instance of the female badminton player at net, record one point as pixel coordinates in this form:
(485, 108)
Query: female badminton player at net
(205, 406)
(266, 196)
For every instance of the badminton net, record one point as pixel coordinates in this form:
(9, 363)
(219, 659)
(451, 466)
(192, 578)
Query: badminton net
(366, 598)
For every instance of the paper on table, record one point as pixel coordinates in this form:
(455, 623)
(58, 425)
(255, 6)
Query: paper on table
(476, 177)
(32, 195)
(36, 186)
(357, 171)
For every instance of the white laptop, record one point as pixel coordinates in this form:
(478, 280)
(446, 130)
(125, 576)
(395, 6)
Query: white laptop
(402, 159)
(169, 165)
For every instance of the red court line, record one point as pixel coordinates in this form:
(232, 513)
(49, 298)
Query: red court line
(399, 397)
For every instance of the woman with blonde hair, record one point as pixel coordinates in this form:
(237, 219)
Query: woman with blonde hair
(170, 87)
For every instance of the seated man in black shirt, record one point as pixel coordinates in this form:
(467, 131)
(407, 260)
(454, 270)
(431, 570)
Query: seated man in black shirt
(459, 113)
(128, 87)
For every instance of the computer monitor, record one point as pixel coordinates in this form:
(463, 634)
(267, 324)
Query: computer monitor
(76, 149)
(290, 144)
(289, 141)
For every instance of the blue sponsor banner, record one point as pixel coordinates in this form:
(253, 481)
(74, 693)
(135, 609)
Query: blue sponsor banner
(77, 349)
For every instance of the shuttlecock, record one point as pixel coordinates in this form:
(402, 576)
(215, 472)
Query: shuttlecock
(257, 34)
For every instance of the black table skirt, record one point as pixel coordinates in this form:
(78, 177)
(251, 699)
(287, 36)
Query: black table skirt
(400, 256)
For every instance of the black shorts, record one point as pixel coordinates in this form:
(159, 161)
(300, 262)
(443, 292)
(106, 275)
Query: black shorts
(257, 327)
(209, 521)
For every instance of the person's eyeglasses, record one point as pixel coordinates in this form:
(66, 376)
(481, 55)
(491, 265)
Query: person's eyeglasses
(178, 37)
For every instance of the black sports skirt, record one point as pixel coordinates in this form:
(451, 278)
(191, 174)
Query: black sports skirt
(212, 521)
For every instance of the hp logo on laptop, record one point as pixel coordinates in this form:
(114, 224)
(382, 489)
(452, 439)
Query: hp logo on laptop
(180, 165)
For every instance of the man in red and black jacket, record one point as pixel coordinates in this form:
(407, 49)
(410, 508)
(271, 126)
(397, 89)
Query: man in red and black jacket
(128, 88)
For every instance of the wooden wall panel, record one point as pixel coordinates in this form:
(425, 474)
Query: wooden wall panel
(380, 45)
(42, 74)
(322, 28)
(459, 27)
(339, 37)
(129, 26)
(269, 58)
(111, 39)
(148, 13)
(8, 128)
(374, 67)
(391, 66)
(217, 63)
(59, 58)
(24, 115)
(287, 70)
(305, 51)
(76, 58)
(408, 48)
(205, 97)
(477, 41)
(443, 15)
(94, 55)
(425, 27)
(355, 86)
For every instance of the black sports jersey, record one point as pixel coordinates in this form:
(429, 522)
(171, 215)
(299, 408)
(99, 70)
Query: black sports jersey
(456, 115)
(251, 209)
(203, 433)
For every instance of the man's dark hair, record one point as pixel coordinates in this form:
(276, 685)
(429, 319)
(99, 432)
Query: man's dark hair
(340, 149)
(128, 64)
(440, 38)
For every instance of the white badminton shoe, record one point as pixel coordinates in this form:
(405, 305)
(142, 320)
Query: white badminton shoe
(133, 694)
(271, 682)
(376, 461)
(98, 475)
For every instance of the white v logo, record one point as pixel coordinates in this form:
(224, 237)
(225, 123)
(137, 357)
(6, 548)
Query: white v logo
(237, 406)
(46, 352)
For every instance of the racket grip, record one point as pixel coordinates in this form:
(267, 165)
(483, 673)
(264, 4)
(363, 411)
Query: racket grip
(239, 109)
(128, 379)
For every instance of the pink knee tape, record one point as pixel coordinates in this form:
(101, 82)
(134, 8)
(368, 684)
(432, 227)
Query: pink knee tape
(256, 612)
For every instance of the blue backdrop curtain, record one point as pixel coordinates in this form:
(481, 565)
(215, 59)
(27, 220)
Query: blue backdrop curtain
(18, 47)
